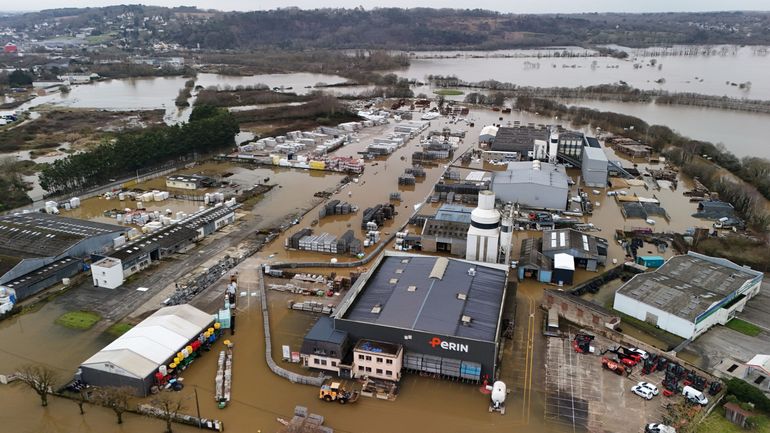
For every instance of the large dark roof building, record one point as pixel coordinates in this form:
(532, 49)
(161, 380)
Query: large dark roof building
(37, 243)
(518, 139)
(435, 307)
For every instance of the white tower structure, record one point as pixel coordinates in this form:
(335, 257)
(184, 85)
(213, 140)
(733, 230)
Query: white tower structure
(484, 233)
(506, 234)
(553, 145)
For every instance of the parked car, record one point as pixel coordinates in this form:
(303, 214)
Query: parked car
(649, 386)
(695, 396)
(643, 392)
(659, 428)
(641, 352)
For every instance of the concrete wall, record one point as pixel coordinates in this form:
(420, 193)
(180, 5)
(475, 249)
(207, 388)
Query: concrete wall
(533, 195)
(570, 307)
(420, 342)
(665, 320)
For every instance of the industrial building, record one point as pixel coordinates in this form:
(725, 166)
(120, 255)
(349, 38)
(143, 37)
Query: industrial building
(533, 263)
(520, 140)
(137, 255)
(38, 250)
(594, 168)
(188, 181)
(689, 294)
(324, 347)
(488, 134)
(135, 357)
(483, 238)
(447, 231)
(377, 360)
(536, 185)
(445, 314)
(587, 251)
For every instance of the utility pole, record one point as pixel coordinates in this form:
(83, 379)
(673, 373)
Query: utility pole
(198, 408)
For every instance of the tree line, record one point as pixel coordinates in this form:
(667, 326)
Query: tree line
(208, 130)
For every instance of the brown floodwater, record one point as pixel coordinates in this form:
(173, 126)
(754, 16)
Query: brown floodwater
(259, 396)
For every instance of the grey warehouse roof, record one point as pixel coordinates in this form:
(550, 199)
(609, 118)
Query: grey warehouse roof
(688, 285)
(524, 173)
(454, 213)
(518, 139)
(401, 293)
(45, 235)
(573, 242)
(595, 154)
(324, 331)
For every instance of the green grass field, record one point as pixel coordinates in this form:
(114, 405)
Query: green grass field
(80, 320)
(119, 329)
(744, 327)
(717, 423)
(448, 92)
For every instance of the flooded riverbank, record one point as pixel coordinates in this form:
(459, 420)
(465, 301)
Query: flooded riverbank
(742, 133)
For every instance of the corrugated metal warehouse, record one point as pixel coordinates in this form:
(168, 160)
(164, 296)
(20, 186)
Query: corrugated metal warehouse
(594, 167)
(536, 184)
(446, 313)
(134, 358)
(38, 249)
(689, 294)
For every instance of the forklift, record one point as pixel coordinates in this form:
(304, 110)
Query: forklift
(335, 392)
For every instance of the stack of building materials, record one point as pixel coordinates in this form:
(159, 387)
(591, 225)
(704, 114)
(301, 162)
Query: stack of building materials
(416, 171)
(293, 241)
(323, 243)
(382, 148)
(395, 196)
(335, 207)
(345, 164)
(406, 179)
(378, 214)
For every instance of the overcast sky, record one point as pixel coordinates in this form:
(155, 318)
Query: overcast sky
(518, 6)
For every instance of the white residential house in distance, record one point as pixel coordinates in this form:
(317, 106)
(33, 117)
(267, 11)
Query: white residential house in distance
(377, 360)
(689, 294)
(107, 273)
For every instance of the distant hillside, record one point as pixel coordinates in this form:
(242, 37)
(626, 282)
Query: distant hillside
(393, 28)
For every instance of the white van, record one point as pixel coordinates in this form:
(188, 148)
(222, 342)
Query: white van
(694, 395)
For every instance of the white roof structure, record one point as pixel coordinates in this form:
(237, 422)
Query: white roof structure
(140, 351)
(477, 176)
(595, 153)
(534, 173)
(564, 261)
(761, 362)
(488, 131)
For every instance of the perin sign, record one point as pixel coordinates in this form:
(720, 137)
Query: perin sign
(446, 345)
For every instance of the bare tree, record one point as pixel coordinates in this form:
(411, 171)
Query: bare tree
(40, 379)
(84, 396)
(115, 398)
(170, 406)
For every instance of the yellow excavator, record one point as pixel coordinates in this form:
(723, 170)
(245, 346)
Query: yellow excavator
(335, 392)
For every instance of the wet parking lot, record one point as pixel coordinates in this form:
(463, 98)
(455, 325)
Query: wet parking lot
(582, 396)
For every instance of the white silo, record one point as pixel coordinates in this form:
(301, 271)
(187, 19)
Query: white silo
(484, 233)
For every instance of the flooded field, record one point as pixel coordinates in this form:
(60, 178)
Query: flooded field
(742, 133)
(710, 75)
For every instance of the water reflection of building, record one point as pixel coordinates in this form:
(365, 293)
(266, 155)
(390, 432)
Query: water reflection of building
(436, 316)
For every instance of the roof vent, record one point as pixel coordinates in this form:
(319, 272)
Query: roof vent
(393, 281)
(439, 268)
(376, 309)
(399, 271)
(462, 296)
(466, 320)
(411, 289)
(472, 272)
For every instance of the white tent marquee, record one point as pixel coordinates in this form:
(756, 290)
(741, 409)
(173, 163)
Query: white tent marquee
(133, 358)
